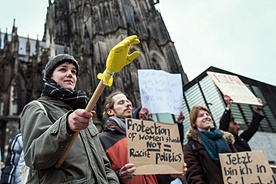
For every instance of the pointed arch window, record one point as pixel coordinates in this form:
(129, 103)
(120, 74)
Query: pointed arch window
(129, 11)
(156, 64)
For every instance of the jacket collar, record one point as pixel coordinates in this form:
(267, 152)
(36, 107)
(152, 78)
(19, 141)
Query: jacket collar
(115, 124)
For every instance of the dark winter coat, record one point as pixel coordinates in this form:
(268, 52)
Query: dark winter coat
(241, 141)
(195, 173)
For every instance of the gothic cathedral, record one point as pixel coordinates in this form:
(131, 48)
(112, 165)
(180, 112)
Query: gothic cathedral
(86, 29)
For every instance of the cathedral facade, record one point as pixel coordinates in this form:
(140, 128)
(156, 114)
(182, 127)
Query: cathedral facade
(86, 29)
(91, 28)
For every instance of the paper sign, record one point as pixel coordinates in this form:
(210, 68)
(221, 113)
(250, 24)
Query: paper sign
(161, 92)
(232, 86)
(154, 148)
(246, 167)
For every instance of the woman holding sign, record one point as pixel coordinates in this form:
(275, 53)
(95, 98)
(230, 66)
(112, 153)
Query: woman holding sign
(201, 153)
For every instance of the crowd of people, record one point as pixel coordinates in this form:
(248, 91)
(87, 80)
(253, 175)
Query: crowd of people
(49, 123)
(204, 144)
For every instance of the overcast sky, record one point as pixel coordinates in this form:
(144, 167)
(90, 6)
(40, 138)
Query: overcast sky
(234, 35)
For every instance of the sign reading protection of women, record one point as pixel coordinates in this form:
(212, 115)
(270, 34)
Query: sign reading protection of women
(154, 147)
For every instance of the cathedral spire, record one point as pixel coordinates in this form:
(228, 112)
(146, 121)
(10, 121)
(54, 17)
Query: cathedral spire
(14, 29)
(6, 36)
(37, 45)
(37, 50)
(28, 49)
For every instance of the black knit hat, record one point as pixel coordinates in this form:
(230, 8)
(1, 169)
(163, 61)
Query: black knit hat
(56, 61)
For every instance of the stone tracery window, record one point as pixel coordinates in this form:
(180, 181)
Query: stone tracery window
(156, 64)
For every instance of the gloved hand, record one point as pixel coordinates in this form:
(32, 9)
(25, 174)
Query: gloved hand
(118, 58)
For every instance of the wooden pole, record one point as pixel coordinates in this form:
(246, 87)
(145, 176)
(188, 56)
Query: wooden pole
(92, 102)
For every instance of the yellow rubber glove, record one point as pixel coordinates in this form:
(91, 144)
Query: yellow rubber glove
(118, 58)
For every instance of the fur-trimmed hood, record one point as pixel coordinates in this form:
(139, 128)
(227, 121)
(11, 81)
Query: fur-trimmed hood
(192, 134)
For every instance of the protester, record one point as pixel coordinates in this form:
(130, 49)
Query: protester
(9, 175)
(201, 153)
(116, 108)
(49, 124)
(228, 123)
(180, 119)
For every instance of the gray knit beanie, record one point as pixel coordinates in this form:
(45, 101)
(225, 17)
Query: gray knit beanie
(56, 61)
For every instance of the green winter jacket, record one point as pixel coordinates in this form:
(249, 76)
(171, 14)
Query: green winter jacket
(45, 138)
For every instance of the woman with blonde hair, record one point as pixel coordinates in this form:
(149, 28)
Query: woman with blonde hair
(201, 153)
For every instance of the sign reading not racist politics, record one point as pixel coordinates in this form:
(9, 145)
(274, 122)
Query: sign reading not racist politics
(232, 86)
(246, 167)
(160, 91)
(153, 147)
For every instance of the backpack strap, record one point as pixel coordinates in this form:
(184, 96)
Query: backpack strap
(25, 170)
(199, 155)
(42, 107)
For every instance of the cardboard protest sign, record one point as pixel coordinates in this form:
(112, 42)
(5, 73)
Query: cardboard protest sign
(246, 167)
(161, 92)
(153, 147)
(232, 86)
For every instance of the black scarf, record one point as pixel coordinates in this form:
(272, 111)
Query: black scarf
(75, 99)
